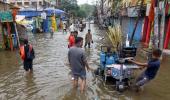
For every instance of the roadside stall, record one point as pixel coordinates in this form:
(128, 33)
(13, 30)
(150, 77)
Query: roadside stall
(8, 31)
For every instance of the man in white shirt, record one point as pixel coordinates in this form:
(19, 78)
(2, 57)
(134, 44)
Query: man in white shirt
(72, 29)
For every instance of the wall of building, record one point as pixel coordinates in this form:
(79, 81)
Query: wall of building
(26, 3)
(128, 24)
(4, 6)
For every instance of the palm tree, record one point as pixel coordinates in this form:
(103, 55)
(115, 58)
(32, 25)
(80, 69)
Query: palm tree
(114, 5)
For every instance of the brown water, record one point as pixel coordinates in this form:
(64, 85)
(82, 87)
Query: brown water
(51, 79)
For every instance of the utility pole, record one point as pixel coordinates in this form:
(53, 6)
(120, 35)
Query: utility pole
(57, 3)
(37, 5)
(102, 6)
(88, 19)
(89, 22)
(44, 4)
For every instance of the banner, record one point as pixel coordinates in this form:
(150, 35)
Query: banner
(148, 9)
(6, 16)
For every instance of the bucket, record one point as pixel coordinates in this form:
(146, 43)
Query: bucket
(102, 57)
(110, 60)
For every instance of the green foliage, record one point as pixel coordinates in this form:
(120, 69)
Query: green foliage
(6, 16)
(94, 13)
(115, 5)
(69, 6)
(87, 8)
(81, 13)
(74, 9)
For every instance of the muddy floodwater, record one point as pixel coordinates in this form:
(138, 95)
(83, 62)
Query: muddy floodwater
(51, 79)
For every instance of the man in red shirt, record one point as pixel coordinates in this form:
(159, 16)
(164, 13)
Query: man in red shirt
(71, 40)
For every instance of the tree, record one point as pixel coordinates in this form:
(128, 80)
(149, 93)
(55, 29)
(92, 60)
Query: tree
(69, 5)
(81, 13)
(115, 5)
(74, 9)
(89, 9)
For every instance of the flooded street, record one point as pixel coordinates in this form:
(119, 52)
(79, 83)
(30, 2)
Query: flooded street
(51, 79)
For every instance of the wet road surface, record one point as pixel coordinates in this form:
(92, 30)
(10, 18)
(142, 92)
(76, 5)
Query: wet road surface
(51, 80)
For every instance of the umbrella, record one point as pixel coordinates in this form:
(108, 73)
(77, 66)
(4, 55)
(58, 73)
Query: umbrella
(53, 10)
(50, 10)
(58, 11)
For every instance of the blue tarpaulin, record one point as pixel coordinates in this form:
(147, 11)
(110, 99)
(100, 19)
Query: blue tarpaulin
(46, 23)
(34, 13)
(45, 26)
(30, 13)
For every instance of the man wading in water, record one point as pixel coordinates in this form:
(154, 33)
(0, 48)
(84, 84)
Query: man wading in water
(78, 63)
(27, 55)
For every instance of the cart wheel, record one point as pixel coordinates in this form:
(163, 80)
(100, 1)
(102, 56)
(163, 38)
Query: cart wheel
(97, 71)
(120, 87)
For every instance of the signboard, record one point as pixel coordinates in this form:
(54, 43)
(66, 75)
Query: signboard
(148, 9)
(6, 16)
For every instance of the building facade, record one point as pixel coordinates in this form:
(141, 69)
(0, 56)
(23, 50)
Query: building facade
(58, 3)
(26, 3)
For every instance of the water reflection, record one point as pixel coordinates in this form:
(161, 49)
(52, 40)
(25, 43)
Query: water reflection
(72, 94)
(88, 52)
(30, 85)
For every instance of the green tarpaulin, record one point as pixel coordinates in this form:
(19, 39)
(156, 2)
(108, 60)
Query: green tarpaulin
(6, 16)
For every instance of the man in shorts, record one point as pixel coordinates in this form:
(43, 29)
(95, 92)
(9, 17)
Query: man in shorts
(78, 63)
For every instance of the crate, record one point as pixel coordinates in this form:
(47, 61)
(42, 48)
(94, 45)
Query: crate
(128, 52)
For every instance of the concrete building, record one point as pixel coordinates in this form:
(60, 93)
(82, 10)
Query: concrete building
(26, 3)
(58, 3)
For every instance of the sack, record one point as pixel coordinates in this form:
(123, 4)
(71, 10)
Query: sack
(30, 55)
(22, 52)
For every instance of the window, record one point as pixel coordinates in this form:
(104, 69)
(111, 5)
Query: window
(26, 3)
(40, 3)
(19, 3)
(34, 3)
